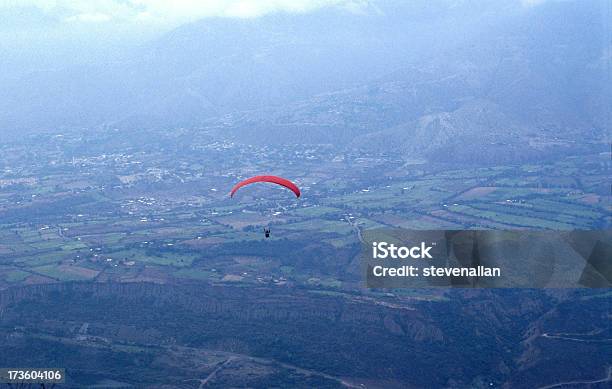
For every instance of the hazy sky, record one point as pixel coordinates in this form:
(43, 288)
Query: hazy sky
(163, 12)
(52, 27)
(49, 33)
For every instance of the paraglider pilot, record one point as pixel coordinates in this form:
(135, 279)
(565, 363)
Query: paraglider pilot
(271, 179)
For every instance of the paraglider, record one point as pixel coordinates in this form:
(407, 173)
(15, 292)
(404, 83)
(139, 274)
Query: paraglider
(270, 179)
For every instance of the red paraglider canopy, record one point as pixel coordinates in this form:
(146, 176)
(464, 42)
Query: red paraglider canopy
(272, 179)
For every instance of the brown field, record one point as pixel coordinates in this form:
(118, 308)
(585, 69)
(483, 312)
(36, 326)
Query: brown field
(141, 278)
(591, 199)
(477, 192)
(81, 272)
(37, 279)
(232, 278)
(210, 240)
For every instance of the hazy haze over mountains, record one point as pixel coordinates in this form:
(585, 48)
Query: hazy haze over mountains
(423, 72)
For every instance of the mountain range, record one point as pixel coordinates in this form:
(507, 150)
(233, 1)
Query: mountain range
(419, 78)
